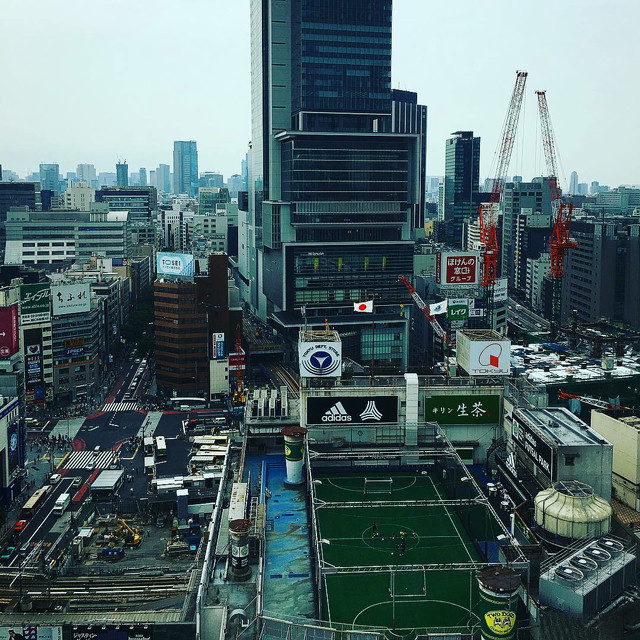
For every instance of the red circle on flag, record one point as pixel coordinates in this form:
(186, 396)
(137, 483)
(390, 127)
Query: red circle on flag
(362, 306)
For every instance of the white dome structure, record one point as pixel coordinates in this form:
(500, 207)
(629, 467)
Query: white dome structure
(572, 510)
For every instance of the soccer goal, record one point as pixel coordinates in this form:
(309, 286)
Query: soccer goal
(378, 485)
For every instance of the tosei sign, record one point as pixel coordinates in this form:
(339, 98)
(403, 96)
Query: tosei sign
(175, 264)
(457, 268)
(320, 359)
(534, 447)
(352, 410)
(9, 341)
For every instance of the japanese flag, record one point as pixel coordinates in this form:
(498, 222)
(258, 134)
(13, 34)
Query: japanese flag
(363, 307)
(439, 307)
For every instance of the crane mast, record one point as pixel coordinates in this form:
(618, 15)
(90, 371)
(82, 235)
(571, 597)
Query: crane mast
(422, 305)
(560, 241)
(487, 210)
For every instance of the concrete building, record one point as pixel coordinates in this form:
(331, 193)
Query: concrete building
(624, 435)
(537, 270)
(526, 228)
(550, 445)
(142, 180)
(87, 173)
(210, 197)
(79, 197)
(53, 239)
(12, 450)
(140, 202)
(573, 184)
(163, 178)
(235, 183)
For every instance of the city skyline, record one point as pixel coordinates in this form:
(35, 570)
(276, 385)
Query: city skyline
(470, 91)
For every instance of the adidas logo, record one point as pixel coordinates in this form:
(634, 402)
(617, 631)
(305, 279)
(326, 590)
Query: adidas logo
(337, 413)
(371, 412)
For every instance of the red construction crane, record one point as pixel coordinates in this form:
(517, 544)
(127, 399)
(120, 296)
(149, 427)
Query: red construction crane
(487, 210)
(424, 307)
(594, 402)
(560, 241)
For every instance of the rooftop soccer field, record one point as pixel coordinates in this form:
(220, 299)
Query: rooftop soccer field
(399, 548)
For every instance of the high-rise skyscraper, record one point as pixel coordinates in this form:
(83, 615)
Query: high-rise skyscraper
(86, 173)
(50, 177)
(185, 167)
(163, 178)
(334, 176)
(573, 184)
(143, 177)
(122, 174)
(461, 174)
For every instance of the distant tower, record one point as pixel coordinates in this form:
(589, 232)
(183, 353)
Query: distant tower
(50, 177)
(573, 184)
(122, 174)
(143, 177)
(461, 173)
(185, 167)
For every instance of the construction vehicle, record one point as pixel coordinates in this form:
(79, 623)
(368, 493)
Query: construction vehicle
(488, 210)
(131, 537)
(560, 241)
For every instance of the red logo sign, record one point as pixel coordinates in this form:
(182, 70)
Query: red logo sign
(9, 342)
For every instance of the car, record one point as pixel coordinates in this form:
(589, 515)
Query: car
(77, 481)
(160, 522)
(20, 525)
(7, 555)
(55, 478)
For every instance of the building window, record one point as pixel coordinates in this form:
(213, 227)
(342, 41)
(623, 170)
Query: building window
(570, 459)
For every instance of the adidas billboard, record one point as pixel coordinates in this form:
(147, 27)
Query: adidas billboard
(351, 410)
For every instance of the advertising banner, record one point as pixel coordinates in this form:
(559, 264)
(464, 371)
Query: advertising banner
(218, 346)
(71, 298)
(30, 632)
(458, 308)
(457, 268)
(34, 365)
(352, 410)
(9, 339)
(534, 447)
(13, 441)
(500, 290)
(320, 359)
(462, 409)
(483, 357)
(175, 264)
(34, 303)
(89, 632)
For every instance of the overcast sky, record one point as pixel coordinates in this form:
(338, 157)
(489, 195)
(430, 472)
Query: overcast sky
(94, 81)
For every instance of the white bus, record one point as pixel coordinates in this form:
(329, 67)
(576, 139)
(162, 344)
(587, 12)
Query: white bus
(161, 447)
(62, 502)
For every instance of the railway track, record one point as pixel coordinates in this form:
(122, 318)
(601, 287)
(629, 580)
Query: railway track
(286, 378)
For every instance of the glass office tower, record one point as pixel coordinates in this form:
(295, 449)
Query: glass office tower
(336, 174)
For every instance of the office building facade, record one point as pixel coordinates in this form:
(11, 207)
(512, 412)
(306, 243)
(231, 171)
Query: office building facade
(461, 183)
(334, 179)
(122, 174)
(185, 167)
(50, 178)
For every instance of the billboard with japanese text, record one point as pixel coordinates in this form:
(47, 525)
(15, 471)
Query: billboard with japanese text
(71, 298)
(457, 268)
(458, 308)
(9, 338)
(30, 632)
(34, 303)
(175, 264)
(217, 344)
(462, 409)
(34, 365)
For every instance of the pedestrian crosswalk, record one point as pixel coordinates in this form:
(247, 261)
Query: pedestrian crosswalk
(120, 406)
(89, 459)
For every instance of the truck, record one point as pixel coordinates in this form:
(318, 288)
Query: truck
(62, 502)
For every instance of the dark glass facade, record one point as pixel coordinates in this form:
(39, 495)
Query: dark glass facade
(341, 56)
(347, 168)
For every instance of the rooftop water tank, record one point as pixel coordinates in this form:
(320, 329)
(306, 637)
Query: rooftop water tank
(572, 510)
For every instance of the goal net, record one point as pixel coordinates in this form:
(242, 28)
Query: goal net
(378, 485)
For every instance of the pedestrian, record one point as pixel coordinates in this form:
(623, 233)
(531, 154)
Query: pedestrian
(374, 529)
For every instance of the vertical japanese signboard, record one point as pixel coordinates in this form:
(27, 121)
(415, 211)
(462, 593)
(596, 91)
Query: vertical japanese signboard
(34, 365)
(9, 340)
(35, 303)
(457, 268)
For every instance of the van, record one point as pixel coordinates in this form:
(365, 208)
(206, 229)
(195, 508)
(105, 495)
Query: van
(55, 478)
(96, 451)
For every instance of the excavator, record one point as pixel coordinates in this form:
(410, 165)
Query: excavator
(132, 537)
